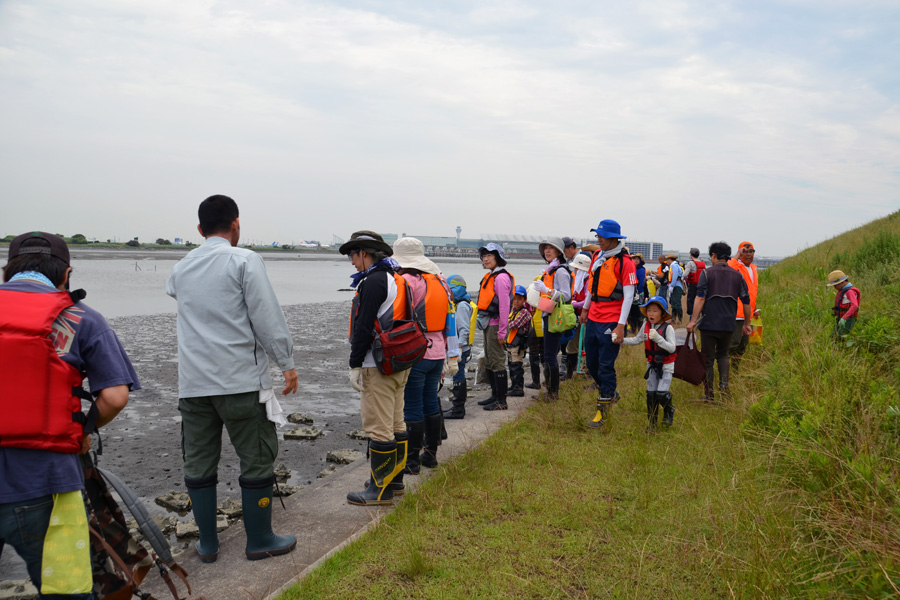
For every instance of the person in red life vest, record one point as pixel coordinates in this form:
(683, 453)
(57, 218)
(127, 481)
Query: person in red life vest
(743, 264)
(517, 341)
(556, 284)
(692, 272)
(605, 312)
(494, 302)
(720, 291)
(431, 300)
(658, 337)
(846, 303)
(581, 265)
(50, 341)
(381, 297)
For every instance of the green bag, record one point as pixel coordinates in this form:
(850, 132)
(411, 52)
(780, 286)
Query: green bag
(562, 318)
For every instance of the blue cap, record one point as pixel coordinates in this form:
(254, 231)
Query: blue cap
(520, 290)
(662, 304)
(609, 229)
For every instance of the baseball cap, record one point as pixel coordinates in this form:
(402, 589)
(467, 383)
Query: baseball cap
(52, 245)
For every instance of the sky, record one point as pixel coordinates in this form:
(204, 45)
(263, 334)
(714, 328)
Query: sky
(686, 121)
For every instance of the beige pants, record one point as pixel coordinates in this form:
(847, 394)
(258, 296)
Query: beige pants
(494, 350)
(381, 403)
(572, 346)
(516, 354)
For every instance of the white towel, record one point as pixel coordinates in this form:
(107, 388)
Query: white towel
(273, 408)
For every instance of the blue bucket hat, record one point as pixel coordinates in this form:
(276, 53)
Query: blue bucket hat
(659, 300)
(609, 229)
(497, 249)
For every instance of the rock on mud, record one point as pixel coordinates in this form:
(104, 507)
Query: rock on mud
(286, 490)
(18, 590)
(358, 434)
(303, 433)
(327, 471)
(231, 509)
(282, 473)
(190, 530)
(343, 457)
(300, 419)
(174, 501)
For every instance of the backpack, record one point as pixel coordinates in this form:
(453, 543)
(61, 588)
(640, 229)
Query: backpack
(403, 345)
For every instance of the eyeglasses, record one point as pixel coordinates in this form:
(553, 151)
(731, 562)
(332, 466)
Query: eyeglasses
(352, 253)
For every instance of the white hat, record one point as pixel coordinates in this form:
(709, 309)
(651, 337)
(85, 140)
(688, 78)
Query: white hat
(410, 254)
(581, 262)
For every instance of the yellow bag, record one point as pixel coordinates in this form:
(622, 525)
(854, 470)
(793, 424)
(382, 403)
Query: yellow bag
(66, 562)
(756, 333)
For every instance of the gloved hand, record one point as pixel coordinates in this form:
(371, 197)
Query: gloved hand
(539, 286)
(356, 379)
(842, 324)
(453, 365)
(654, 336)
(614, 336)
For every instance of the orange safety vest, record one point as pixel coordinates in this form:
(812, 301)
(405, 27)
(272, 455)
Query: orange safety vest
(487, 298)
(752, 286)
(547, 279)
(431, 310)
(399, 312)
(604, 285)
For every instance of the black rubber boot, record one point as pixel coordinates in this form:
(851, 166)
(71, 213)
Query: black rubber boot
(203, 504)
(571, 363)
(416, 434)
(432, 440)
(652, 411)
(553, 386)
(535, 374)
(665, 399)
(492, 378)
(500, 386)
(384, 466)
(516, 379)
(563, 360)
(546, 373)
(256, 506)
(458, 410)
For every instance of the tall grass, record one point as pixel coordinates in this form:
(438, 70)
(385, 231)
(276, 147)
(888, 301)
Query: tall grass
(826, 409)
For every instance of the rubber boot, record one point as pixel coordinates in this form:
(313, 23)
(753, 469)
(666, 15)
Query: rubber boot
(546, 373)
(444, 435)
(492, 377)
(561, 365)
(384, 466)
(203, 505)
(535, 374)
(416, 434)
(458, 410)
(602, 412)
(256, 504)
(571, 363)
(553, 386)
(516, 379)
(665, 400)
(501, 383)
(652, 411)
(432, 440)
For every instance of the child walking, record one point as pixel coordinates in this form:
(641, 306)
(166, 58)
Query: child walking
(517, 341)
(658, 337)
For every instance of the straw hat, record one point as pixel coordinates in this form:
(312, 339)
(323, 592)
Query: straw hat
(365, 240)
(590, 248)
(581, 262)
(409, 253)
(659, 300)
(672, 256)
(836, 277)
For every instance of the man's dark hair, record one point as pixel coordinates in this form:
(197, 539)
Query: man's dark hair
(695, 253)
(216, 214)
(721, 249)
(50, 267)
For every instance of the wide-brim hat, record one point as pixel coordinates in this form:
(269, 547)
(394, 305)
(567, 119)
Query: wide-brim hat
(582, 262)
(409, 253)
(50, 244)
(496, 250)
(609, 229)
(554, 242)
(590, 248)
(672, 256)
(662, 304)
(366, 240)
(836, 277)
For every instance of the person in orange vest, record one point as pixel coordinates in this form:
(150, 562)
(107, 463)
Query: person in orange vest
(494, 301)
(846, 303)
(555, 283)
(605, 312)
(517, 342)
(743, 264)
(692, 272)
(661, 276)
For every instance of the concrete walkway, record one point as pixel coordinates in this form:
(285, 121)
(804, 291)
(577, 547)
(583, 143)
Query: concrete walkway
(321, 519)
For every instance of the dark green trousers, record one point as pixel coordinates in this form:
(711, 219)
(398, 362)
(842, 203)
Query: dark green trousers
(252, 434)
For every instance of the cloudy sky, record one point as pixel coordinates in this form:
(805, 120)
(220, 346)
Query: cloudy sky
(687, 121)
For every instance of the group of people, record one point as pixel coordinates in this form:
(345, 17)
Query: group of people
(409, 328)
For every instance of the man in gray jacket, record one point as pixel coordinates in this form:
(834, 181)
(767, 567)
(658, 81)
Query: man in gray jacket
(228, 321)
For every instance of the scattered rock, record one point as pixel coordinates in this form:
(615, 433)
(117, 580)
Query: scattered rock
(287, 490)
(18, 590)
(189, 529)
(303, 433)
(358, 434)
(282, 473)
(230, 508)
(174, 501)
(343, 457)
(327, 471)
(300, 419)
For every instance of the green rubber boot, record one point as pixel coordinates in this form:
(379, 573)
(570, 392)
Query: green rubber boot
(203, 505)
(256, 498)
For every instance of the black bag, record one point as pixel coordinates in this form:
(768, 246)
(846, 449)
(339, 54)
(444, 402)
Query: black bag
(690, 365)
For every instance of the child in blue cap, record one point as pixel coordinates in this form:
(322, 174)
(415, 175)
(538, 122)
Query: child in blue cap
(517, 341)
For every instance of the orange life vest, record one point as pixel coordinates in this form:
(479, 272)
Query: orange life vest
(752, 286)
(547, 278)
(605, 286)
(401, 308)
(487, 297)
(431, 310)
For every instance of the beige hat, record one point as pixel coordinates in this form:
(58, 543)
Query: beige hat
(836, 277)
(410, 254)
(590, 248)
(582, 262)
(672, 256)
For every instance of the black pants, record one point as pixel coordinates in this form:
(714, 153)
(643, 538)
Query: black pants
(691, 294)
(715, 345)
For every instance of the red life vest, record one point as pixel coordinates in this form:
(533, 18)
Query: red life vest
(694, 277)
(655, 354)
(40, 394)
(488, 301)
(840, 309)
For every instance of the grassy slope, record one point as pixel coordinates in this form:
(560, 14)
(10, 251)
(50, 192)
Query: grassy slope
(794, 497)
